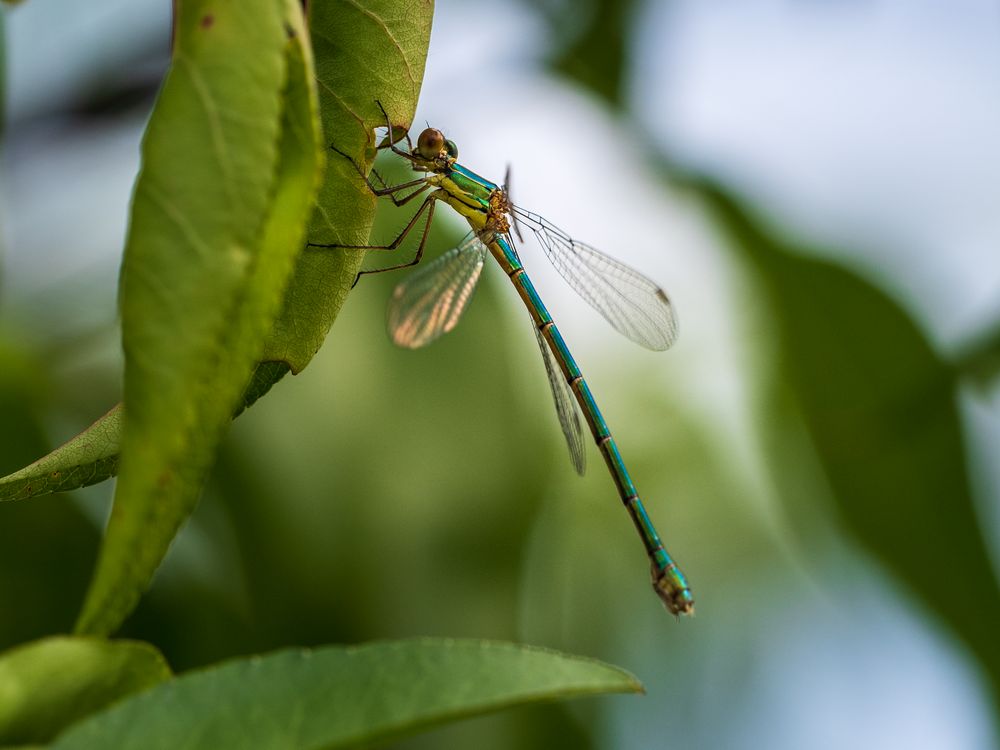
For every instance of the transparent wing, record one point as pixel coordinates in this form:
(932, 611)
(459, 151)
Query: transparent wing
(431, 301)
(566, 409)
(636, 306)
(515, 224)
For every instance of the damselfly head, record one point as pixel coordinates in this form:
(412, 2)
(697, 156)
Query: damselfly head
(434, 147)
(430, 143)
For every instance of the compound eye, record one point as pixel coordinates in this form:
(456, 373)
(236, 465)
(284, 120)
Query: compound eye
(430, 143)
(451, 148)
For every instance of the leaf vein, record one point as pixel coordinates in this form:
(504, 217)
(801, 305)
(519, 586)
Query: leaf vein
(388, 33)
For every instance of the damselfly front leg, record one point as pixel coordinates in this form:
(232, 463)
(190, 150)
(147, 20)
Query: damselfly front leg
(393, 192)
(385, 190)
(390, 141)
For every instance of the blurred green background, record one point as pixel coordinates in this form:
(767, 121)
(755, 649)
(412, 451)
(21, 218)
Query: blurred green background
(814, 184)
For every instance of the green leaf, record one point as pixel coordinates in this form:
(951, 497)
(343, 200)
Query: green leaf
(342, 697)
(980, 359)
(365, 51)
(47, 685)
(596, 54)
(230, 164)
(265, 375)
(90, 457)
(880, 406)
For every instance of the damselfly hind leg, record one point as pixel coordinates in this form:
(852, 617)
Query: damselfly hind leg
(428, 207)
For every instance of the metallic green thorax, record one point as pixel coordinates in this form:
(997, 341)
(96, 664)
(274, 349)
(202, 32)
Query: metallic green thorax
(475, 198)
(466, 192)
(469, 186)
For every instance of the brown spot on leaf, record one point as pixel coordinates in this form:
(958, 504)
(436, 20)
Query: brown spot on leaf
(207, 20)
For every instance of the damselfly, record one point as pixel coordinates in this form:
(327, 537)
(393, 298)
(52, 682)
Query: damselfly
(431, 301)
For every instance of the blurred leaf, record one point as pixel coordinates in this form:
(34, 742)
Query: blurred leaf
(880, 406)
(47, 685)
(365, 51)
(596, 56)
(230, 163)
(46, 552)
(46, 549)
(90, 457)
(342, 697)
(980, 360)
